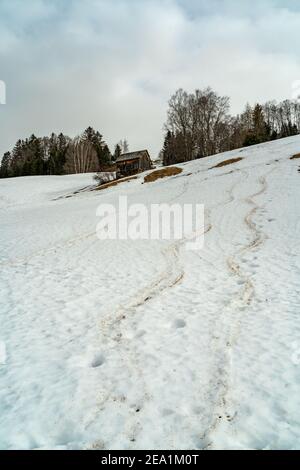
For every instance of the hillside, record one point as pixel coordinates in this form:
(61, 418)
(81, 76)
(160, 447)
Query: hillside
(144, 344)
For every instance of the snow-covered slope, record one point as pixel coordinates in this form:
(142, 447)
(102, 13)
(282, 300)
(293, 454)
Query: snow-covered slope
(143, 344)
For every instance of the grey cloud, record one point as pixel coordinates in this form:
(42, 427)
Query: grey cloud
(69, 64)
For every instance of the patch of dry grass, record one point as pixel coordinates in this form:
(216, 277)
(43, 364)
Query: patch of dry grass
(295, 156)
(227, 162)
(114, 183)
(163, 173)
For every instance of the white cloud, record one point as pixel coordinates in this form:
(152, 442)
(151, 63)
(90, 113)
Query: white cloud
(113, 65)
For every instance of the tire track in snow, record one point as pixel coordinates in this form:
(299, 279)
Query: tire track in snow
(240, 302)
(165, 282)
(112, 326)
(171, 276)
(216, 349)
(259, 238)
(44, 251)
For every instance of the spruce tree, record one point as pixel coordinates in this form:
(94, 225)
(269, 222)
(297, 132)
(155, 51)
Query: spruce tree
(117, 152)
(167, 152)
(260, 129)
(5, 165)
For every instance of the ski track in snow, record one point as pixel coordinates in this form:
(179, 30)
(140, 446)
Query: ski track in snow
(145, 344)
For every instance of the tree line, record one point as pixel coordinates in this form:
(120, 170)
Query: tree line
(199, 124)
(59, 154)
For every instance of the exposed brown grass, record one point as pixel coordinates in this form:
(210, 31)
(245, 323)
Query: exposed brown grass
(114, 183)
(157, 174)
(295, 156)
(227, 162)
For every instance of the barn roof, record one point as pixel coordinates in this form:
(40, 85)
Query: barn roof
(133, 155)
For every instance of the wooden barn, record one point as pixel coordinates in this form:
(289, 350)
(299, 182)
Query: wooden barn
(134, 162)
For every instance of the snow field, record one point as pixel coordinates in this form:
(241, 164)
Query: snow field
(143, 344)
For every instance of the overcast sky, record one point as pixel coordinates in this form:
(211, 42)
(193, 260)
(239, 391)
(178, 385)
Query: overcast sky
(113, 64)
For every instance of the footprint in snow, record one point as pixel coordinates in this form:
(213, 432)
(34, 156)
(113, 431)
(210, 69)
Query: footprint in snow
(179, 323)
(97, 361)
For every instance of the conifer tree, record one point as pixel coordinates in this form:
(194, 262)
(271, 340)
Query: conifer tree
(117, 152)
(5, 165)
